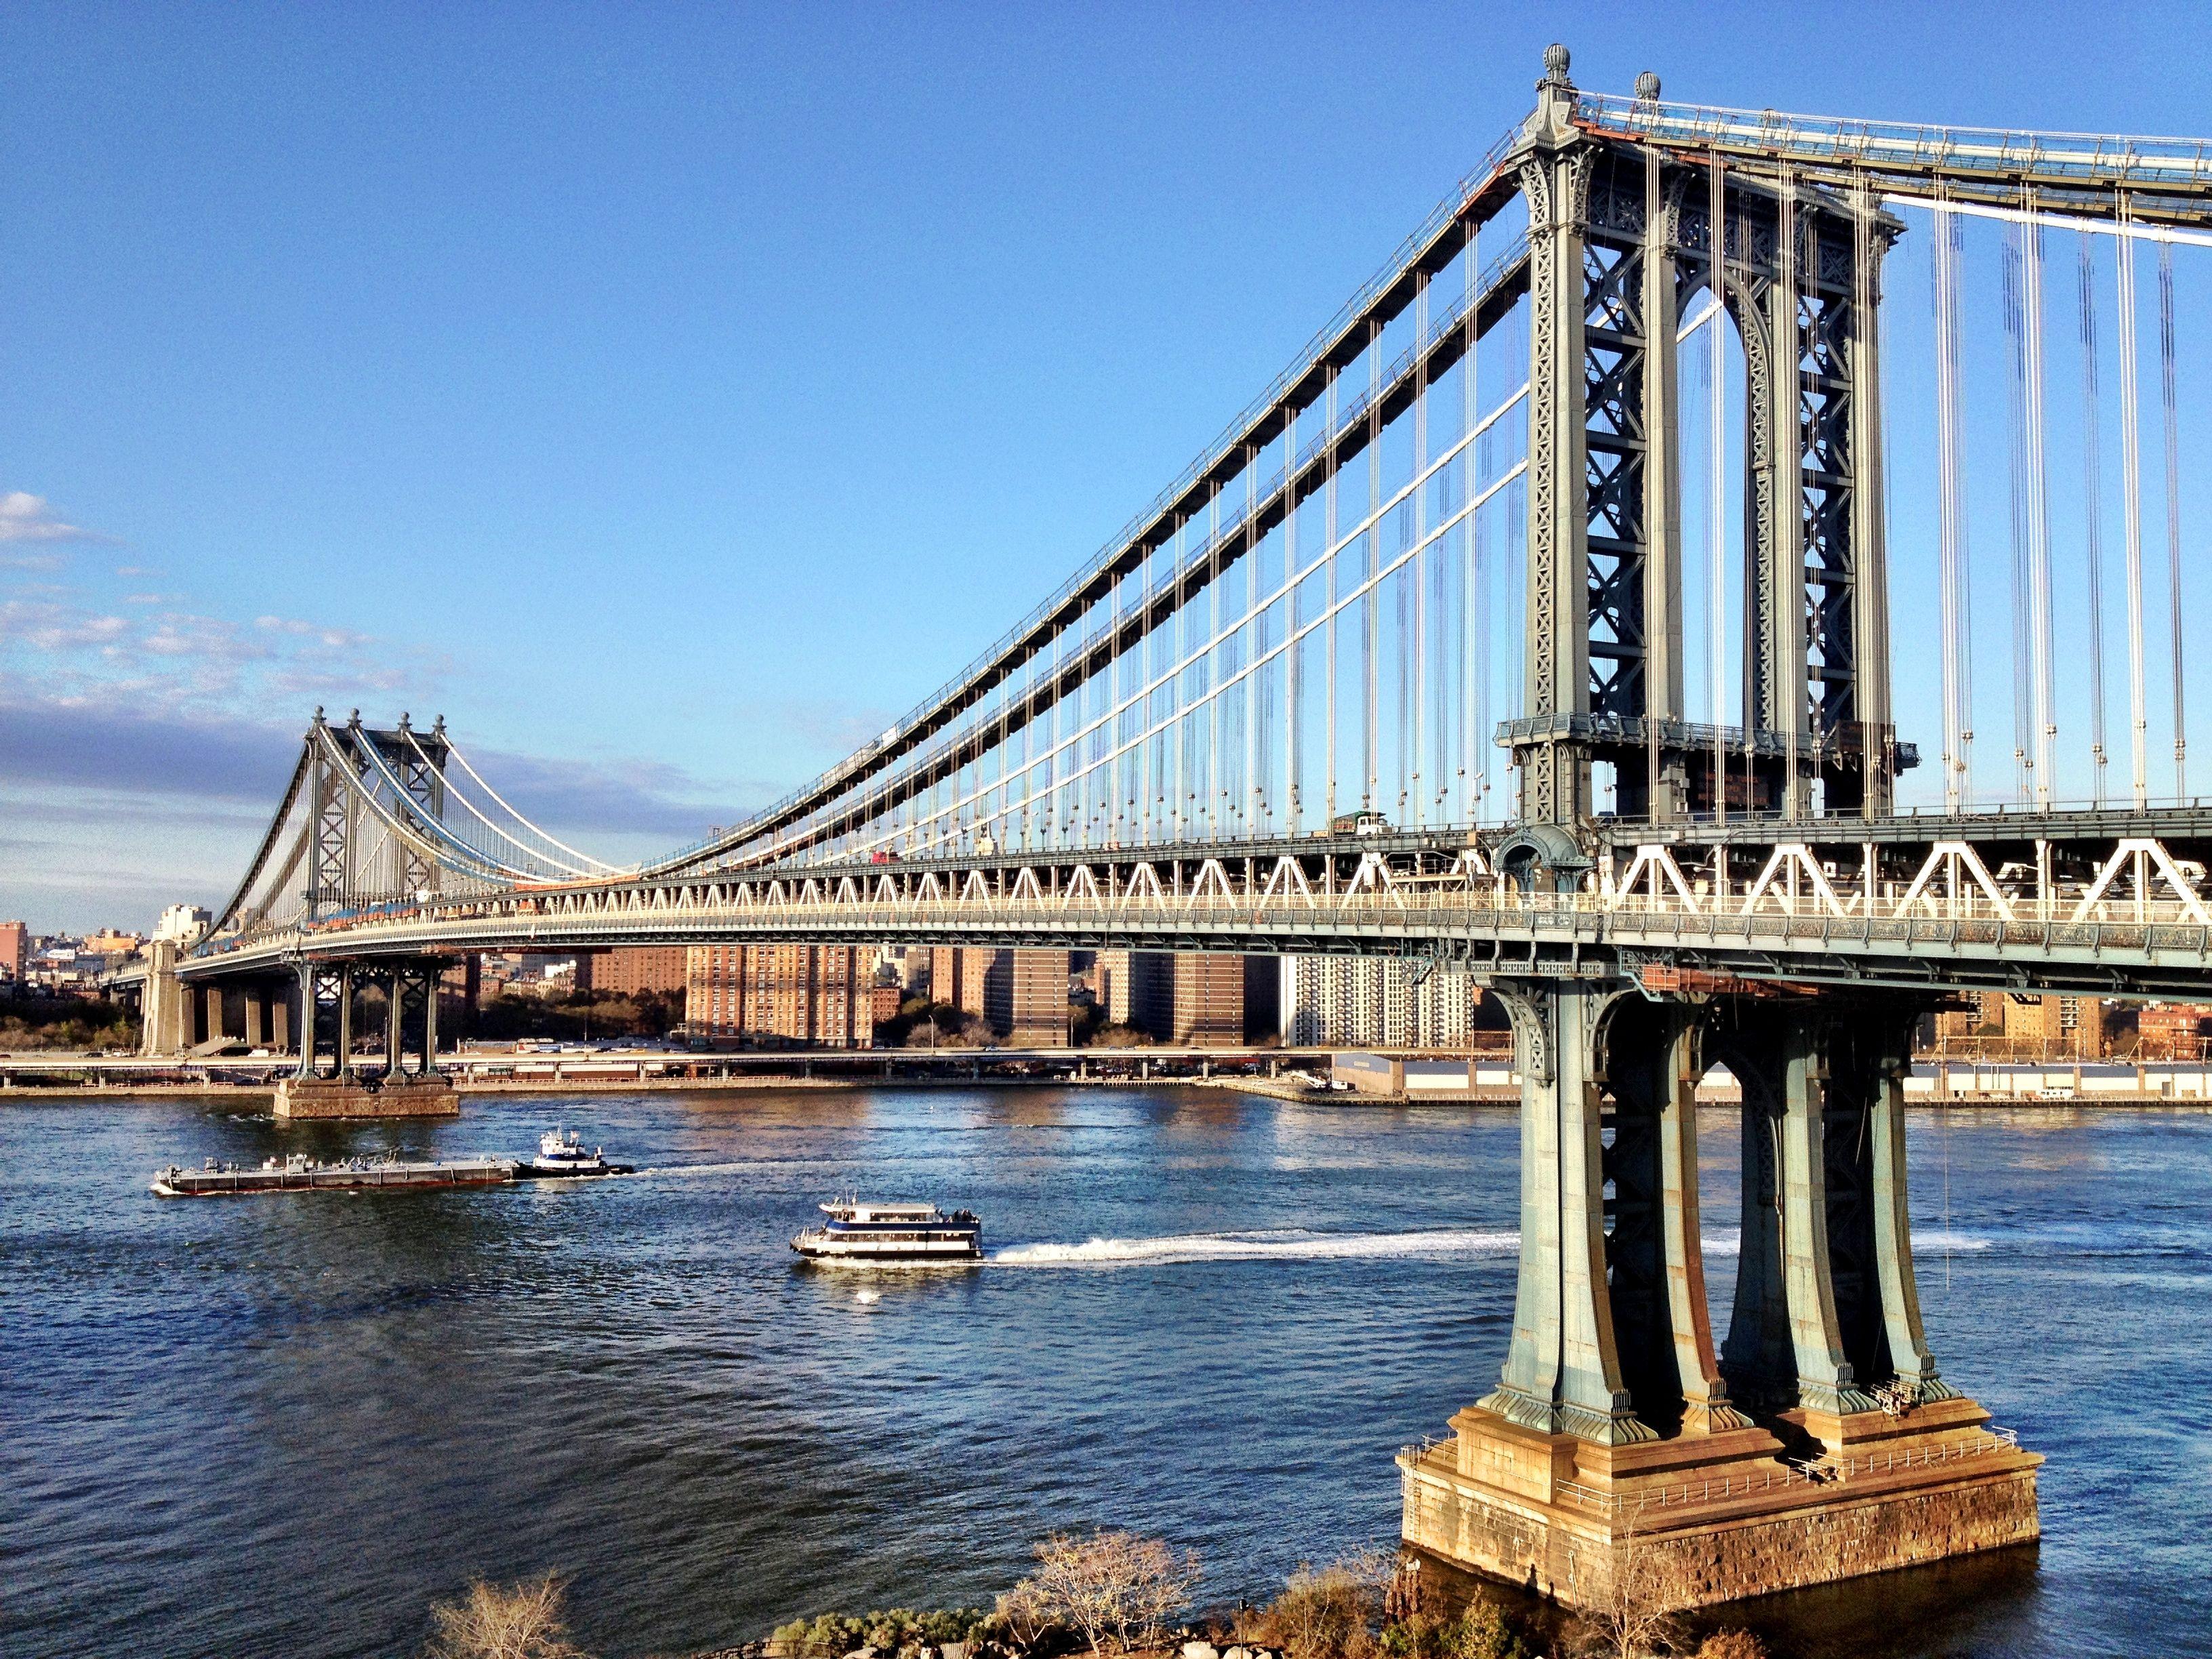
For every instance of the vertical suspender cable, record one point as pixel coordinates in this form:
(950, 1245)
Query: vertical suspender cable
(1717, 462)
(1474, 766)
(2023, 716)
(1413, 722)
(2166, 353)
(1789, 699)
(1877, 769)
(1370, 784)
(1331, 492)
(2039, 509)
(2093, 516)
(2131, 500)
(1658, 336)
(1956, 589)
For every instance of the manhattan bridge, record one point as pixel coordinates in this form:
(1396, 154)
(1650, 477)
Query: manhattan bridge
(1538, 621)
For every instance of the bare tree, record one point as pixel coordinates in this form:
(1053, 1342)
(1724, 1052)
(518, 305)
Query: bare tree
(1026, 1612)
(1635, 1619)
(1329, 1613)
(522, 1621)
(1114, 1586)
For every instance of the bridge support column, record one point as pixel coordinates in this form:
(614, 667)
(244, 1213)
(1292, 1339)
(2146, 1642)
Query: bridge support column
(345, 987)
(1827, 1306)
(327, 993)
(431, 977)
(395, 1019)
(165, 1007)
(1563, 1372)
(256, 1017)
(1612, 1433)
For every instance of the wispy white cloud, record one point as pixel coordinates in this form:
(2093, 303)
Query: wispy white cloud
(336, 638)
(27, 518)
(48, 625)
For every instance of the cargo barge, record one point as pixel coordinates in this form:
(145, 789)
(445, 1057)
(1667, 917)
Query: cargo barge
(299, 1174)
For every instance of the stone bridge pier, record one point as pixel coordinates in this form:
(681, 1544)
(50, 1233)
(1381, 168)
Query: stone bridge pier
(331, 1080)
(1817, 1441)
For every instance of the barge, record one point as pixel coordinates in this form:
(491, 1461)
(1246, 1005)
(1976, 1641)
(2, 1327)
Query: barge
(299, 1174)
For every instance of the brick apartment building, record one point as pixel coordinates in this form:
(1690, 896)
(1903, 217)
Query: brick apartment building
(1997, 1023)
(1020, 994)
(2172, 1030)
(1202, 998)
(777, 996)
(633, 968)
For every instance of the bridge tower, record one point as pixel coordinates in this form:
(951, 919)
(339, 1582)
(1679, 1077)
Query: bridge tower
(1622, 244)
(1618, 1424)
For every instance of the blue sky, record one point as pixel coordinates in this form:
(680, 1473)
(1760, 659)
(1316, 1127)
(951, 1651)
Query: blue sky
(669, 395)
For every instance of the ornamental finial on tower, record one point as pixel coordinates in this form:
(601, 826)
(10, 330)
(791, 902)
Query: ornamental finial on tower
(1556, 59)
(1647, 88)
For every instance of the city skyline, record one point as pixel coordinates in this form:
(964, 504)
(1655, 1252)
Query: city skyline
(671, 400)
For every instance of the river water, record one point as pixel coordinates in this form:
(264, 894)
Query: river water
(283, 1425)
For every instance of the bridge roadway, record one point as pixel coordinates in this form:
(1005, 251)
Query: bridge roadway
(2091, 903)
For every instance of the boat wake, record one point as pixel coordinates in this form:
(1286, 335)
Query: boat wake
(688, 1172)
(1286, 1244)
(1299, 1245)
(1926, 1241)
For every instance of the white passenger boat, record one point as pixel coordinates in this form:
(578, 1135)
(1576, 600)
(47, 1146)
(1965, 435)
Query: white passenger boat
(891, 1233)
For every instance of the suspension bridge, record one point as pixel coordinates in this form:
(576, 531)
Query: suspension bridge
(1540, 619)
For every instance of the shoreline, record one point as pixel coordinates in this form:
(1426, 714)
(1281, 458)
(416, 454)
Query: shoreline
(1488, 1099)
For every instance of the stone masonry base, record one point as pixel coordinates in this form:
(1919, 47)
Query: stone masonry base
(334, 1098)
(1704, 1519)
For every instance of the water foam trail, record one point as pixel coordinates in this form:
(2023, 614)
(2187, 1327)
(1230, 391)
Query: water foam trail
(1925, 1242)
(1288, 1245)
(1297, 1244)
(673, 1171)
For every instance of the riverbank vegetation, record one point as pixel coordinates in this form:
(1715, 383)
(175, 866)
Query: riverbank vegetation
(577, 1016)
(30, 1023)
(1118, 1595)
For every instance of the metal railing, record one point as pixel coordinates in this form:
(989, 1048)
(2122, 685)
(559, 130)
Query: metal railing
(1927, 927)
(1828, 1469)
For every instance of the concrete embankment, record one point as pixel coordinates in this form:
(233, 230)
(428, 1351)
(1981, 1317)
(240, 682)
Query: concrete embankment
(1347, 1079)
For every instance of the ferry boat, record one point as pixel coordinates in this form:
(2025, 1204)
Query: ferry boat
(891, 1233)
(300, 1173)
(559, 1153)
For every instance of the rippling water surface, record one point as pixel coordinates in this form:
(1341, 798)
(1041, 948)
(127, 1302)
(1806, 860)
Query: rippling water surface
(282, 1425)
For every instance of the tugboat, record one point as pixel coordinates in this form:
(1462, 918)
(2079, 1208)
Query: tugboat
(891, 1233)
(559, 1153)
